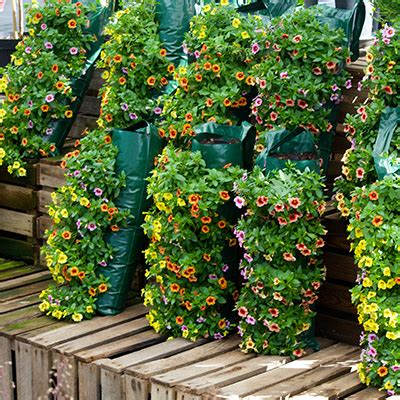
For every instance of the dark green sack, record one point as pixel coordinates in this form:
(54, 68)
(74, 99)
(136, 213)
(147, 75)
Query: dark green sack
(137, 149)
(389, 130)
(174, 17)
(267, 8)
(351, 21)
(225, 144)
(283, 146)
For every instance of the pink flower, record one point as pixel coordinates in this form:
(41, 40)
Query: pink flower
(73, 51)
(293, 218)
(258, 101)
(302, 104)
(294, 202)
(360, 173)
(261, 201)
(284, 75)
(243, 312)
(274, 327)
(289, 257)
(92, 226)
(290, 102)
(273, 311)
(43, 27)
(255, 48)
(49, 98)
(239, 201)
(279, 207)
(348, 84)
(301, 246)
(262, 83)
(297, 39)
(389, 32)
(250, 320)
(273, 116)
(98, 191)
(316, 285)
(320, 243)
(317, 71)
(282, 221)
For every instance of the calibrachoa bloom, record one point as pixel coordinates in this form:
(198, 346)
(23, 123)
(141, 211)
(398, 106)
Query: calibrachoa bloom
(293, 52)
(136, 67)
(217, 85)
(188, 281)
(37, 82)
(376, 249)
(282, 265)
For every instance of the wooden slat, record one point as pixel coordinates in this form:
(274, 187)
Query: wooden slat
(90, 106)
(23, 270)
(14, 248)
(368, 394)
(297, 367)
(340, 267)
(345, 330)
(81, 123)
(336, 297)
(43, 223)
(16, 222)
(317, 376)
(17, 197)
(7, 265)
(29, 179)
(7, 389)
(43, 200)
(334, 389)
(19, 315)
(22, 283)
(16, 304)
(50, 175)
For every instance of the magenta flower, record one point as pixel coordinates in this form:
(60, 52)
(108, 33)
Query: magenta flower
(124, 107)
(103, 263)
(48, 45)
(255, 48)
(28, 50)
(157, 110)
(92, 226)
(239, 201)
(197, 54)
(49, 98)
(133, 116)
(49, 131)
(218, 336)
(284, 75)
(248, 257)
(98, 191)
(43, 26)
(250, 320)
(73, 51)
(349, 84)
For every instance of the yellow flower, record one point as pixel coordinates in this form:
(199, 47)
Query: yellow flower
(182, 71)
(64, 213)
(390, 283)
(345, 212)
(19, 61)
(16, 165)
(185, 333)
(2, 112)
(44, 306)
(367, 282)
(57, 314)
(181, 202)
(245, 35)
(368, 262)
(202, 35)
(370, 295)
(224, 2)
(105, 75)
(77, 317)
(339, 196)
(2, 152)
(168, 196)
(382, 285)
(388, 385)
(386, 271)
(84, 202)
(62, 258)
(236, 22)
(206, 8)
(89, 309)
(21, 171)
(371, 326)
(358, 233)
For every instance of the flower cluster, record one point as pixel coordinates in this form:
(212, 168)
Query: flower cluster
(382, 80)
(299, 75)
(281, 234)
(375, 235)
(216, 86)
(136, 67)
(38, 80)
(82, 211)
(188, 276)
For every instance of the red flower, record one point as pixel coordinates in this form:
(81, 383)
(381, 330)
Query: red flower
(302, 104)
(294, 202)
(317, 71)
(279, 207)
(274, 327)
(373, 195)
(289, 257)
(282, 221)
(387, 89)
(261, 201)
(320, 243)
(273, 116)
(242, 311)
(290, 102)
(331, 65)
(273, 311)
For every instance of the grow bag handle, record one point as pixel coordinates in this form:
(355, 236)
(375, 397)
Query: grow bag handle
(289, 136)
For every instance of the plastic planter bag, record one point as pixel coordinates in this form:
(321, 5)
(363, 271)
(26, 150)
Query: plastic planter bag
(267, 8)
(225, 144)
(351, 21)
(137, 149)
(98, 20)
(174, 17)
(389, 130)
(297, 146)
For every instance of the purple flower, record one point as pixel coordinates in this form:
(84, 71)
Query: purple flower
(200, 320)
(386, 40)
(218, 336)
(255, 48)
(250, 320)
(98, 191)
(77, 173)
(349, 84)
(78, 223)
(395, 368)
(83, 186)
(28, 50)
(91, 226)
(73, 51)
(30, 103)
(213, 277)
(50, 298)
(157, 110)
(197, 54)
(103, 263)
(244, 177)
(124, 70)
(225, 268)
(372, 337)
(43, 26)
(239, 201)
(372, 352)
(184, 328)
(248, 257)
(49, 131)
(258, 101)
(30, 124)
(335, 87)
(240, 332)
(359, 86)
(165, 300)
(124, 107)
(49, 98)
(284, 75)
(133, 116)
(48, 45)
(334, 97)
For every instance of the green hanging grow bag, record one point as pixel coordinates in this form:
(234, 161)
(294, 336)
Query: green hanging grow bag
(137, 149)
(268, 8)
(225, 144)
(297, 146)
(174, 17)
(388, 139)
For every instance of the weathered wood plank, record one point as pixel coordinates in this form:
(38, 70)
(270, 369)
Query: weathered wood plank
(340, 267)
(43, 200)
(81, 123)
(24, 286)
(368, 394)
(6, 373)
(50, 175)
(90, 106)
(29, 179)
(89, 381)
(14, 248)
(336, 297)
(7, 265)
(16, 222)
(21, 302)
(23, 270)
(19, 315)
(23, 359)
(43, 223)
(17, 197)
(344, 330)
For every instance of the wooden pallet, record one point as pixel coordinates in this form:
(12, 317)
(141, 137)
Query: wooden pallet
(121, 358)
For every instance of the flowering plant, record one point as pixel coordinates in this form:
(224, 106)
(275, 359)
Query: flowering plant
(38, 80)
(136, 67)
(382, 79)
(188, 283)
(281, 234)
(299, 74)
(215, 86)
(375, 235)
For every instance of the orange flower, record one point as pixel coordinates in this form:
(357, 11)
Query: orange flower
(81, 275)
(24, 142)
(382, 371)
(161, 132)
(44, 108)
(189, 117)
(163, 52)
(373, 195)
(239, 76)
(103, 288)
(54, 68)
(223, 283)
(175, 287)
(66, 235)
(171, 68)
(164, 81)
(52, 148)
(193, 198)
(92, 292)
(122, 80)
(108, 117)
(397, 280)
(209, 102)
(377, 221)
(179, 320)
(242, 101)
(27, 112)
(172, 133)
(14, 130)
(63, 164)
(216, 68)
(68, 114)
(11, 98)
(117, 58)
(104, 207)
(199, 77)
(107, 139)
(224, 195)
(206, 220)
(72, 24)
(206, 257)
(183, 82)
(222, 324)
(227, 102)
(205, 229)
(74, 271)
(59, 85)
(210, 300)
(207, 66)
(188, 305)
(40, 75)
(151, 81)
(221, 224)
(133, 65)
(38, 16)
(250, 80)
(115, 228)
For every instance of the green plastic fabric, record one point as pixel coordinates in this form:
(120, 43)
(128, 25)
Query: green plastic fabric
(174, 17)
(288, 142)
(351, 21)
(385, 163)
(216, 155)
(268, 8)
(137, 149)
(98, 19)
